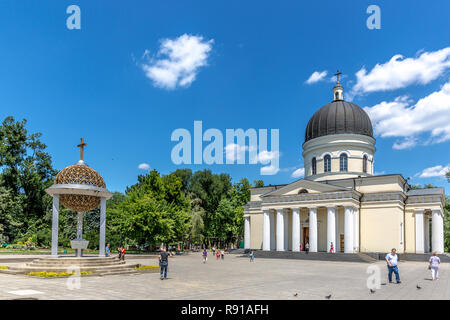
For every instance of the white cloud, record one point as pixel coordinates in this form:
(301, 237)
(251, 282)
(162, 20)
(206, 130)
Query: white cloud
(234, 152)
(316, 77)
(144, 166)
(269, 170)
(397, 118)
(178, 61)
(406, 143)
(298, 173)
(399, 72)
(436, 171)
(267, 156)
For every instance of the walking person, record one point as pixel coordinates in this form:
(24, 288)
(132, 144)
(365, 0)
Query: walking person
(107, 250)
(252, 256)
(218, 254)
(205, 255)
(213, 250)
(307, 247)
(392, 261)
(434, 266)
(164, 262)
(331, 247)
(123, 254)
(222, 254)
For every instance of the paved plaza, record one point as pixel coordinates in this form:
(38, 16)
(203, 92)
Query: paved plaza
(237, 278)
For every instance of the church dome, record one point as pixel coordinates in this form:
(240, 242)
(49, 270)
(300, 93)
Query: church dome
(338, 117)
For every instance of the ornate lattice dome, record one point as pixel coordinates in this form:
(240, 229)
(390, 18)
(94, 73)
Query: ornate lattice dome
(84, 175)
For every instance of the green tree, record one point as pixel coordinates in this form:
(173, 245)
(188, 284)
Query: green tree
(26, 171)
(258, 183)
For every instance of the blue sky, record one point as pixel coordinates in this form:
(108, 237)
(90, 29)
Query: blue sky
(92, 82)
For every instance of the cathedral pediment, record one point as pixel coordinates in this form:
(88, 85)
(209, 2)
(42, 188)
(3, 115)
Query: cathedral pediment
(304, 186)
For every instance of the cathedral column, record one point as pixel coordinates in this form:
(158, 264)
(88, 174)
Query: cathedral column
(426, 220)
(420, 239)
(437, 233)
(296, 229)
(266, 230)
(286, 230)
(280, 230)
(55, 225)
(246, 232)
(331, 228)
(313, 229)
(348, 230)
(355, 229)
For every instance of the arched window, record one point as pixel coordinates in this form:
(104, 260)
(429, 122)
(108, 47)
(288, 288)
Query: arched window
(314, 165)
(343, 159)
(365, 164)
(327, 163)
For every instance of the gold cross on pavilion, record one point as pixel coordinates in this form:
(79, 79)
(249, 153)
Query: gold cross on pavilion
(81, 146)
(337, 74)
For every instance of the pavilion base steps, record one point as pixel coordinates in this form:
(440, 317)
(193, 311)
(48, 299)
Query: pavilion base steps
(97, 266)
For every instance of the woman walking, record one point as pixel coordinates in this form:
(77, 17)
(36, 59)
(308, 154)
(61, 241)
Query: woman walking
(434, 266)
(205, 255)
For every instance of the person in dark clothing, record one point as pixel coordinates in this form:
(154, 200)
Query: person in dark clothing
(164, 262)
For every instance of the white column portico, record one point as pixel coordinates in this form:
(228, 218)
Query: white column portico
(280, 230)
(313, 229)
(426, 221)
(348, 230)
(247, 232)
(266, 230)
(420, 239)
(331, 228)
(55, 225)
(355, 229)
(286, 230)
(437, 234)
(272, 231)
(296, 229)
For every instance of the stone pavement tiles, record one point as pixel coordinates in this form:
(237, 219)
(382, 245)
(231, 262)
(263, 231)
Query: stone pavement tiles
(237, 278)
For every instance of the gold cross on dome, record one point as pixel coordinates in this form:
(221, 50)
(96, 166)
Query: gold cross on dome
(337, 74)
(81, 146)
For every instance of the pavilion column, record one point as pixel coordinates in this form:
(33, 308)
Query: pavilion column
(101, 246)
(348, 230)
(437, 232)
(272, 231)
(331, 228)
(420, 238)
(313, 229)
(296, 229)
(355, 229)
(55, 225)
(247, 232)
(266, 230)
(280, 230)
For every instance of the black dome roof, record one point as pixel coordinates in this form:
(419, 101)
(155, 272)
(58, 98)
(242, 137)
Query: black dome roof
(338, 117)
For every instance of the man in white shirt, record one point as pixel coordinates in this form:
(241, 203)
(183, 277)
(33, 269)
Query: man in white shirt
(392, 261)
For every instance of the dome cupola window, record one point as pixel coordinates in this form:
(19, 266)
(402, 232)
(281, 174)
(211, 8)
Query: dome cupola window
(343, 162)
(327, 163)
(365, 164)
(314, 165)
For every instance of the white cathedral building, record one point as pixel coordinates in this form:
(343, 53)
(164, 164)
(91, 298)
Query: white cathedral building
(340, 202)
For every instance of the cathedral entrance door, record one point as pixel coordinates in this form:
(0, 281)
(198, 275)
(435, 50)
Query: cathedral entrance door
(305, 239)
(341, 238)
